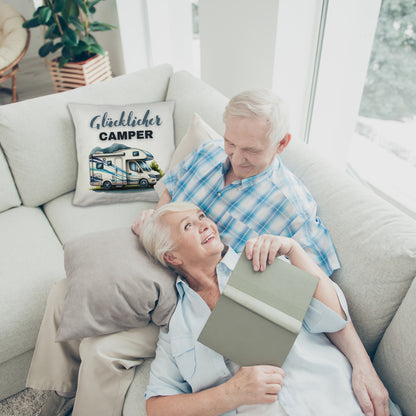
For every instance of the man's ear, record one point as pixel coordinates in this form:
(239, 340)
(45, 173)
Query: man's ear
(283, 143)
(170, 258)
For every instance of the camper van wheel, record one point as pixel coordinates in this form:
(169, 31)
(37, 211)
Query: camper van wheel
(143, 183)
(107, 185)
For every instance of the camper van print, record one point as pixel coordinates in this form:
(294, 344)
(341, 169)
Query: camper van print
(120, 166)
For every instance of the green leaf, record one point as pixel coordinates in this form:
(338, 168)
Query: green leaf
(52, 32)
(70, 37)
(100, 27)
(57, 46)
(82, 6)
(45, 49)
(96, 48)
(58, 5)
(62, 61)
(66, 52)
(70, 9)
(34, 22)
(77, 23)
(44, 15)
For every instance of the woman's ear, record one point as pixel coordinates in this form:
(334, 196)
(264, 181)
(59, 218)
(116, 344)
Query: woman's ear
(170, 258)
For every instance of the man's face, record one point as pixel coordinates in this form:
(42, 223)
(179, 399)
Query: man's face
(247, 146)
(195, 236)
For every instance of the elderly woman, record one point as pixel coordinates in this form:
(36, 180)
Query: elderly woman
(188, 378)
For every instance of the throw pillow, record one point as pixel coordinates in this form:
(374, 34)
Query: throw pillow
(122, 151)
(113, 285)
(198, 133)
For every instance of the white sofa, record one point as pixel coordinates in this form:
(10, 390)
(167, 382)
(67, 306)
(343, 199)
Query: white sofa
(376, 244)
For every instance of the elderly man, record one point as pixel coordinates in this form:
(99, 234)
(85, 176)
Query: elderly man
(315, 378)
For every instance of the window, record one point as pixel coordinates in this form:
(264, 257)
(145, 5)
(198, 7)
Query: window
(133, 166)
(383, 148)
(145, 167)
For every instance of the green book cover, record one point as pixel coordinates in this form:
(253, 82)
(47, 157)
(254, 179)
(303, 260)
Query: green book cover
(259, 314)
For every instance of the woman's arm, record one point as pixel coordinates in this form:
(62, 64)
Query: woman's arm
(250, 385)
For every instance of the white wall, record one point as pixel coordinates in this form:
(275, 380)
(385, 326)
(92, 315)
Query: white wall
(238, 42)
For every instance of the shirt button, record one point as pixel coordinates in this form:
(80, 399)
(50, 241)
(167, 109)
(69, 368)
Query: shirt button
(219, 194)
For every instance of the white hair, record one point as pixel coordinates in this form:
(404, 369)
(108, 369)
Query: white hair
(156, 235)
(261, 103)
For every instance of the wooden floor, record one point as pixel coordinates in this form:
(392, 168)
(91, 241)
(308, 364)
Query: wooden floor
(33, 80)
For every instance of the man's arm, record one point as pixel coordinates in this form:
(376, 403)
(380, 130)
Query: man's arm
(368, 388)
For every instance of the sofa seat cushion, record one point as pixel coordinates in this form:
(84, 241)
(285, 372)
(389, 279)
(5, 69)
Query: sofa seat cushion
(9, 196)
(375, 242)
(31, 259)
(41, 151)
(134, 404)
(70, 221)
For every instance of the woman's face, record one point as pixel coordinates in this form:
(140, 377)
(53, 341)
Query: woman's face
(195, 236)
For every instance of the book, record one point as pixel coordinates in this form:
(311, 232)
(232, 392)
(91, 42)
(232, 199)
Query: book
(259, 314)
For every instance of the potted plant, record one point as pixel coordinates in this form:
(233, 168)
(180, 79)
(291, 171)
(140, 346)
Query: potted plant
(68, 27)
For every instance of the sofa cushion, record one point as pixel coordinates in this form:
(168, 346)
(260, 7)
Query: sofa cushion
(9, 196)
(374, 241)
(114, 143)
(192, 95)
(198, 133)
(134, 404)
(113, 286)
(70, 221)
(31, 259)
(41, 150)
(394, 359)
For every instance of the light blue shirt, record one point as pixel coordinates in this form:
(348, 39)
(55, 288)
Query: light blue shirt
(272, 202)
(317, 375)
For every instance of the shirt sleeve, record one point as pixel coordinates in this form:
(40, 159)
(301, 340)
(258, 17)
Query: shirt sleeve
(173, 178)
(319, 318)
(165, 378)
(315, 240)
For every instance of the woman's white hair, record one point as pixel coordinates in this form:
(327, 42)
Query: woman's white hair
(261, 103)
(156, 235)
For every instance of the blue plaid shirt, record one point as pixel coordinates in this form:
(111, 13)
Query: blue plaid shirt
(272, 202)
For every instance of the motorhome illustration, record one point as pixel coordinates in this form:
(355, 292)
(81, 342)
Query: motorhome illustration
(119, 167)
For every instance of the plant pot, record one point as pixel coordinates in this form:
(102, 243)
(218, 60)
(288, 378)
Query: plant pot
(78, 74)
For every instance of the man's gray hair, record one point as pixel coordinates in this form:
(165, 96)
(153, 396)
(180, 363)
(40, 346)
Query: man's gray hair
(156, 236)
(261, 103)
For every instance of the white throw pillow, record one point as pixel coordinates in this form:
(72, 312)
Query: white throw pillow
(122, 151)
(198, 133)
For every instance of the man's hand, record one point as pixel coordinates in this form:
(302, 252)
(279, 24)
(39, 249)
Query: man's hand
(255, 385)
(370, 392)
(141, 219)
(264, 249)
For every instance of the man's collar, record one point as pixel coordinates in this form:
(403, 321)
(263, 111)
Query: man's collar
(252, 179)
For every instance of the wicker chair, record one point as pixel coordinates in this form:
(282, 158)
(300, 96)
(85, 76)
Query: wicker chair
(14, 42)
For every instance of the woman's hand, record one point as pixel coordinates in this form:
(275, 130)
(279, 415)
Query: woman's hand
(255, 385)
(264, 249)
(141, 219)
